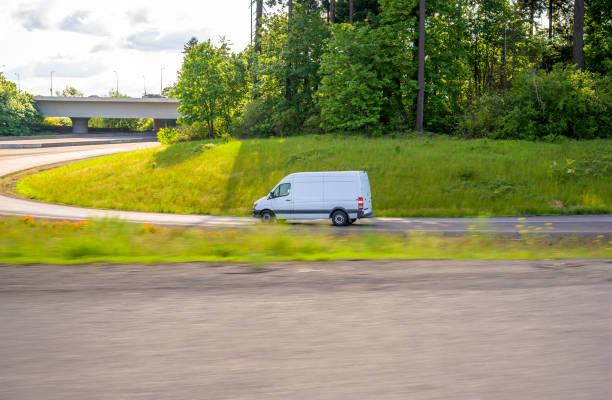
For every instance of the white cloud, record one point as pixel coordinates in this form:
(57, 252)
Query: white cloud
(84, 42)
(31, 19)
(66, 68)
(138, 16)
(81, 21)
(101, 47)
(152, 40)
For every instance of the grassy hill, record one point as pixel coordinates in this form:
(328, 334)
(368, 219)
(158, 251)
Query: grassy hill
(409, 176)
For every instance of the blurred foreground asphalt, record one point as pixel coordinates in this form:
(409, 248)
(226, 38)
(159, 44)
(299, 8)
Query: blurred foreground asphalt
(345, 330)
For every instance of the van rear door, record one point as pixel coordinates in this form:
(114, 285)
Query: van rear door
(366, 193)
(340, 191)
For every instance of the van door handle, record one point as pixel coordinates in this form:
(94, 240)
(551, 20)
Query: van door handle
(287, 199)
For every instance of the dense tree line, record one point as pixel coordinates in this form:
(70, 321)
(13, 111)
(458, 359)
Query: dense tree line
(488, 68)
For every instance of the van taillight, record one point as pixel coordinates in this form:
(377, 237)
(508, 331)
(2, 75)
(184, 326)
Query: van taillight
(360, 203)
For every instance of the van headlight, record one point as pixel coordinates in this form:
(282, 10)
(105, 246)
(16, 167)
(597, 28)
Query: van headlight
(254, 205)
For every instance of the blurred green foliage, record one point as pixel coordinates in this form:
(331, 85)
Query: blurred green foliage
(29, 240)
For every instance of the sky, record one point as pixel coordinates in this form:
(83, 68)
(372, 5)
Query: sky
(89, 44)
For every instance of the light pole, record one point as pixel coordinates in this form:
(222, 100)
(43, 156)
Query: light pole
(51, 89)
(117, 81)
(144, 84)
(161, 81)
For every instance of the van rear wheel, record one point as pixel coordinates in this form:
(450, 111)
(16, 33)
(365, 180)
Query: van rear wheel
(339, 218)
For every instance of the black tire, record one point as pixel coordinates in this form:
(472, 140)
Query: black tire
(339, 218)
(267, 217)
(352, 221)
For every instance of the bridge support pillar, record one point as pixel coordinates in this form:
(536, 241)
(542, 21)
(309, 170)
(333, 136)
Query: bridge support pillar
(159, 124)
(79, 125)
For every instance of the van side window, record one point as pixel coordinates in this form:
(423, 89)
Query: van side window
(284, 189)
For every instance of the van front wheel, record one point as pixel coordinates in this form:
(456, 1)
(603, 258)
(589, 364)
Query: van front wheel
(339, 218)
(267, 217)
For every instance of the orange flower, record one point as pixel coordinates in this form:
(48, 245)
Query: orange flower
(149, 228)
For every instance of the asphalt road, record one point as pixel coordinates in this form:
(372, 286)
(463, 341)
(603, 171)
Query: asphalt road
(14, 160)
(29, 142)
(347, 330)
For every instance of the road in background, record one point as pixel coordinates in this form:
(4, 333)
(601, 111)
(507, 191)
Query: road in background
(345, 330)
(33, 142)
(15, 160)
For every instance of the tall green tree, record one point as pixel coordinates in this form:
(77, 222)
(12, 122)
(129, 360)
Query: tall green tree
(421, 69)
(191, 43)
(445, 68)
(288, 93)
(351, 95)
(531, 10)
(258, 23)
(211, 85)
(598, 37)
(578, 33)
(270, 66)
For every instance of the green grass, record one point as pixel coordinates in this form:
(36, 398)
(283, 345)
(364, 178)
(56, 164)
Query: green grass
(31, 241)
(420, 176)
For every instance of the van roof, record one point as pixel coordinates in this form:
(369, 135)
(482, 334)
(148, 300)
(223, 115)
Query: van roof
(325, 173)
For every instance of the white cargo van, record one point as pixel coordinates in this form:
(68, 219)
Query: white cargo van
(343, 196)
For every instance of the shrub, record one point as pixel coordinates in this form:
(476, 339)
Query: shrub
(542, 106)
(186, 133)
(17, 110)
(166, 135)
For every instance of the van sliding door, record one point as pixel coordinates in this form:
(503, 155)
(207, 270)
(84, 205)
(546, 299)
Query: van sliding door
(308, 198)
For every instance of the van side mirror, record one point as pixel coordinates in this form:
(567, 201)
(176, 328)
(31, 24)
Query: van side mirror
(271, 195)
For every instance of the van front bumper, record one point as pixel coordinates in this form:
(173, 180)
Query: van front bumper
(256, 213)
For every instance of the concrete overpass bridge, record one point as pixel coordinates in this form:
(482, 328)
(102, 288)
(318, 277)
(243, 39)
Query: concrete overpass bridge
(81, 109)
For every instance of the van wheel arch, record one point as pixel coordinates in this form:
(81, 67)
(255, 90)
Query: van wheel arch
(338, 209)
